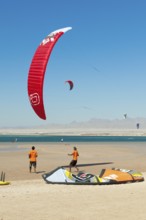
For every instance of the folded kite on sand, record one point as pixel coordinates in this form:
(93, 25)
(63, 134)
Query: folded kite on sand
(107, 176)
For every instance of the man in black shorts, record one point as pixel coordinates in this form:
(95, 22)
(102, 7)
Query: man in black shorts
(73, 163)
(32, 157)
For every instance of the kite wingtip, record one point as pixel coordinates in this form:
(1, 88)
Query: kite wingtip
(62, 30)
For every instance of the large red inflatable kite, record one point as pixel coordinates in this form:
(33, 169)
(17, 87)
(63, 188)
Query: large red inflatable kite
(38, 68)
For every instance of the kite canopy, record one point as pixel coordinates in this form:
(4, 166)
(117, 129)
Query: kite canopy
(38, 68)
(107, 176)
(70, 84)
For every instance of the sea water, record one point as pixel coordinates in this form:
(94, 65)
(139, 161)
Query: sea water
(60, 138)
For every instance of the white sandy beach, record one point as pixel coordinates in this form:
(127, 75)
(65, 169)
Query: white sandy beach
(74, 131)
(36, 200)
(28, 197)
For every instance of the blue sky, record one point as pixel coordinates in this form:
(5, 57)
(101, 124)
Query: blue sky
(104, 55)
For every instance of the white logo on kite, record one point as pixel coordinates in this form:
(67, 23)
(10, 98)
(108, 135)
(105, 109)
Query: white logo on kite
(35, 99)
(49, 38)
(112, 176)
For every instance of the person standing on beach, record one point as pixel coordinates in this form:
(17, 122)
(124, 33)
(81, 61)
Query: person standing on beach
(32, 159)
(73, 163)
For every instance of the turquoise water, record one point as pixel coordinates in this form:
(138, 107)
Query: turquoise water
(35, 138)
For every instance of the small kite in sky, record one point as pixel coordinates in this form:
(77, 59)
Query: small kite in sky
(125, 116)
(71, 85)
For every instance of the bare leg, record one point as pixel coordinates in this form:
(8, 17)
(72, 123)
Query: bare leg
(35, 165)
(69, 168)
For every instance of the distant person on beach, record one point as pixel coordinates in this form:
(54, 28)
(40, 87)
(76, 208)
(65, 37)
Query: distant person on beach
(33, 159)
(73, 163)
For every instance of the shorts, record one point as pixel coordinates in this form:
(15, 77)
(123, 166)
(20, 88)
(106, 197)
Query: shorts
(73, 163)
(33, 163)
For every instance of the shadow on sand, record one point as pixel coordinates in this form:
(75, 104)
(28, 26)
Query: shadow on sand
(90, 164)
(40, 172)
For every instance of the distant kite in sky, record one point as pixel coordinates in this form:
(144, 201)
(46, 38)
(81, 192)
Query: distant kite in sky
(38, 68)
(125, 116)
(71, 85)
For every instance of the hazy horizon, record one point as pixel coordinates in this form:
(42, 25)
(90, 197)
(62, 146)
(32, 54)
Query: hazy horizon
(128, 123)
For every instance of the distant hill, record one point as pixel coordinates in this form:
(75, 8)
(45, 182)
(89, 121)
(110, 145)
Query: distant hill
(93, 126)
(128, 123)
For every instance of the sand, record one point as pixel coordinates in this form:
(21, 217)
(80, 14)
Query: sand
(28, 197)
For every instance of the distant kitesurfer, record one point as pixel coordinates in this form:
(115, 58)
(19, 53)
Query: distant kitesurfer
(32, 157)
(73, 163)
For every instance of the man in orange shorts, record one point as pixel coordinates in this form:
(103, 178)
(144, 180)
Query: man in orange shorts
(32, 157)
(73, 163)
